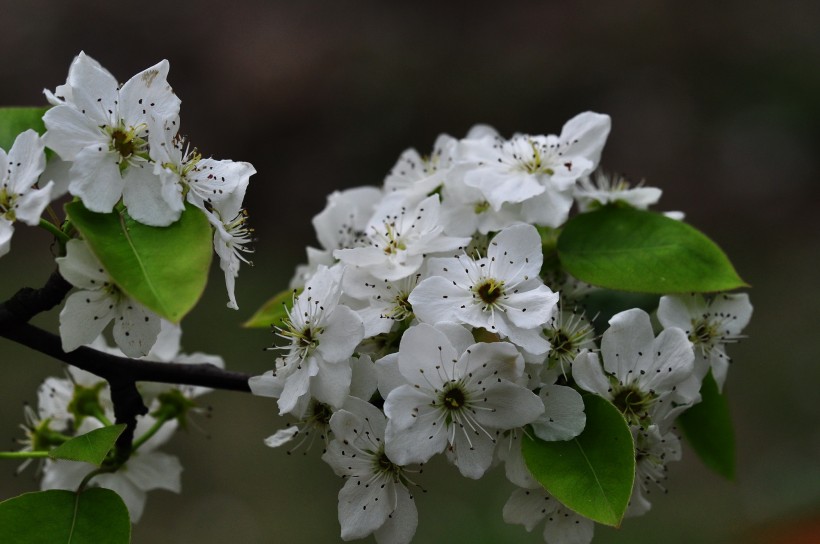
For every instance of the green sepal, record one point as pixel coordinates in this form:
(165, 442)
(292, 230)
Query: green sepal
(58, 516)
(622, 248)
(707, 426)
(593, 473)
(91, 447)
(163, 268)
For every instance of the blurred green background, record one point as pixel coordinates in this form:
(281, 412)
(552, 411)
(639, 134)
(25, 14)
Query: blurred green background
(718, 104)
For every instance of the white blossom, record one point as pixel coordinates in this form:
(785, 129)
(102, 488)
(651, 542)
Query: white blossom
(87, 312)
(20, 199)
(606, 189)
(528, 507)
(645, 377)
(501, 292)
(710, 325)
(103, 128)
(375, 498)
(399, 238)
(459, 395)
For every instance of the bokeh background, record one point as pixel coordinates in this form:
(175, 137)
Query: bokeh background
(717, 103)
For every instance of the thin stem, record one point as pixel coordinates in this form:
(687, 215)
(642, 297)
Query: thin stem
(149, 433)
(23, 454)
(62, 237)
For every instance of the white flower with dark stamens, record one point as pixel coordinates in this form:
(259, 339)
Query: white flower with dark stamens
(321, 336)
(375, 498)
(653, 450)
(420, 175)
(459, 396)
(103, 129)
(641, 375)
(528, 507)
(399, 238)
(217, 187)
(230, 240)
(501, 292)
(538, 171)
(569, 333)
(465, 210)
(20, 199)
(386, 302)
(87, 312)
(313, 422)
(606, 189)
(710, 325)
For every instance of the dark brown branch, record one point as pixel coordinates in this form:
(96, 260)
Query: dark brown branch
(121, 373)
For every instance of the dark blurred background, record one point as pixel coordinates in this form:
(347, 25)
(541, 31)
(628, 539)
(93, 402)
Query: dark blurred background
(718, 104)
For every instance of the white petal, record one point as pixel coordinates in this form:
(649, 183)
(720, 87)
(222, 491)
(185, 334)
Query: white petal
(96, 179)
(342, 333)
(516, 253)
(133, 497)
(155, 470)
(588, 374)
(136, 328)
(148, 96)
(27, 161)
(563, 417)
(401, 524)
(509, 405)
(363, 508)
(69, 132)
(281, 437)
(331, 384)
(364, 380)
(472, 452)
(84, 316)
(567, 527)
(629, 334)
(426, 357)
(6, 232)
(146, 202)
(30, 206)
(527, 507)
(80, 266)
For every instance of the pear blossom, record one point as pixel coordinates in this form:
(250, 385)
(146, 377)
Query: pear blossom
(710, 325)
(230, 241)
(217, 187)
(606, 188)
(538, 171)
(322, 335)
(20, 199)
(654, 449)
(646, 378)
(459, 396)
(103, 129)
(399, 238)
(569, 333)
(528, 507)
(88, 311)
(501, 292)
(420, 175)
(375, 497)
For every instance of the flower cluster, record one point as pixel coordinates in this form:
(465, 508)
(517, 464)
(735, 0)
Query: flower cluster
(81, 402)
(118, 147)
(429, 322)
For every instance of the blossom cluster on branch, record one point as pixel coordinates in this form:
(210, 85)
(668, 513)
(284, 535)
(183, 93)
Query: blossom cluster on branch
(431, 321)
(455, 309)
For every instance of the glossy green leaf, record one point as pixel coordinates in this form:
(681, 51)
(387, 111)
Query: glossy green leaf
(593, 473)
(63, 517)
(707, 426)
(163, 268)
(273, 312)
(622, 248)
(13, 121)
(91, 447)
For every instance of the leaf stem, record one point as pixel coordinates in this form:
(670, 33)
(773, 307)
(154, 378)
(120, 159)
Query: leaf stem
(23, 454)
(62, 237)
(149, 433)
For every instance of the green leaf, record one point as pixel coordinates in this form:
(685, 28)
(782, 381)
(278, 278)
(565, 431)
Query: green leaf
(273, 312)
(163, 268)
(626, 249)
(57, 516)
(13, 121)
(91, 447)
(707, 426)
(593, 473)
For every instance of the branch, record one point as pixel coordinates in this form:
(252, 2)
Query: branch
(121, 373)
